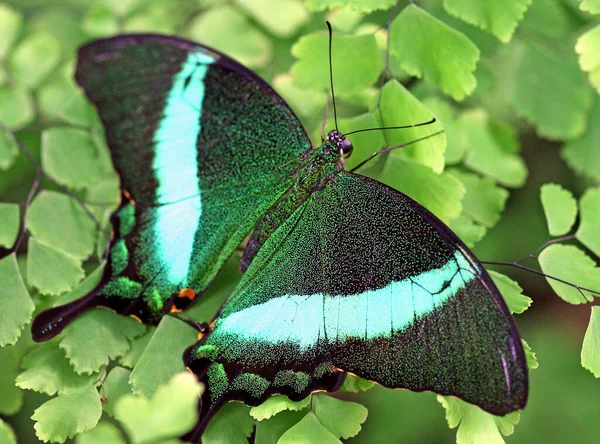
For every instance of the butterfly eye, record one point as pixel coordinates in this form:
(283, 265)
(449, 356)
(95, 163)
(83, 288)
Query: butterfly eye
(346, 147)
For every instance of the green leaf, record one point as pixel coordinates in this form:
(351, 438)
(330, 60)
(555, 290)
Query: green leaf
(17, 108)
(588, 48)
(309, 429)
(58, 220)
(530, 357)
(162, 357)
(560, 208)
(103, 433)
(171, 412)
(455, 140)
(491, 148)
(400, 108)
(582, 153)
(71, 157)
(590, 351)
(570, 264)
(468, 231)
(564, 85)
(99, 21)
(499, 18)
(362, 6)
(9, 149)
(11, 221)
(355, 384)
(50, 270)
(48, 371)
(115, 386)
(225, 29)
(587, 232)
(97, 337)
(16, 306)
(283, 18)
(66, 416)
(305, 103)
(311, 71)
(441, 194)
(10, 25)
(270, 430)
(483, 201)
(34, 58)
(512, 293)
(77, 110)
(232, 425)
(592, 6)
(550, 18)
(7, 435)
(138, 346)
(87, 285)
(342, 418)
(276, 404)
(475, 425)
(11, 396)
(415, 43)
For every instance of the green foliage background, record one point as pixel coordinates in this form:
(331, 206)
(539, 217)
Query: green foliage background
(513, 84)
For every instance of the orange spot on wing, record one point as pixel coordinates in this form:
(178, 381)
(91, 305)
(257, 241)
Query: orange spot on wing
(189, 293)
(175, 309)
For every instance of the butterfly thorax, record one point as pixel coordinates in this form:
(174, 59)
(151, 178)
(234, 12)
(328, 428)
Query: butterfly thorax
(319, 167)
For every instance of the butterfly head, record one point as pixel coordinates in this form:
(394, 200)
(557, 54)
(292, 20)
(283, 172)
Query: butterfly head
(339, 140)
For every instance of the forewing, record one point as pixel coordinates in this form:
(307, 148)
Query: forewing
(203, 147)
(364, 279)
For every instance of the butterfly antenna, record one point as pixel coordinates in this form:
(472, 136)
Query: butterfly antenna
(331, 75)
(429, 122)
(395, 147)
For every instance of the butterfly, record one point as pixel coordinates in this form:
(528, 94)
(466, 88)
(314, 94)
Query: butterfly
(342, 273)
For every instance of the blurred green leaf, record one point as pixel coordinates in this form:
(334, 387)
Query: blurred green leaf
(78, 111)
(10, 25)
(592, 6)
(9, 149)
(66, 416)
(309, 426)
(50, 270)
(530, 357)
(400, 108)
(342, 418)
(414, 42)
(588, 48)
(56, 219)
(282, 18)
(71, 157)
(302, 101)
(103, 433)
(10, 217)
(363, 6)
(227, 30)
(356, 384)
(99, 21)
(138, 346)
(11, 396)
(439, 193)
(115, 386)
(48, 371)
(468, 231)
(475, 425)
(232, 424)
(162, 357)
(570, 264)
(560, 208)
(344, 19)
(17, 108)
(455, 140)
(582, 153)
(499, 18)
(549, 18)
(7, 434)
(34, 58)
(590, 351)
(491, 151)
(16, 306)
(275, 404)
(269, 431)
(311, 71)
(97, 337)
(588, 233)
(556, 74)
(512, 292)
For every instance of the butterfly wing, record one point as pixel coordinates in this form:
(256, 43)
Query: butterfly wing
(362, 279)
(203, 147)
